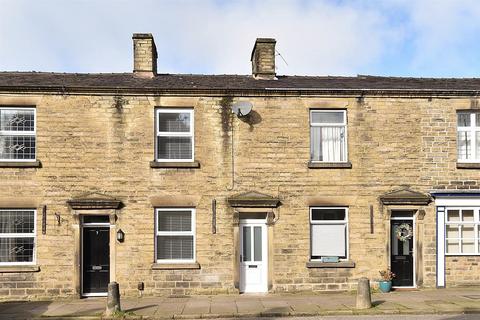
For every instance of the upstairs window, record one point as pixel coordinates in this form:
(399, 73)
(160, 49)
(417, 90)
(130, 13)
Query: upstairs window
(328, 135)
(17, 236)
(17, 134)
(329, 232)
(468, 136)
(175, 138)
(175, 235)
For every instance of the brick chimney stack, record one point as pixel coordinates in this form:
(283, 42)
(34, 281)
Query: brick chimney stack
(144, 55)
(263, 59)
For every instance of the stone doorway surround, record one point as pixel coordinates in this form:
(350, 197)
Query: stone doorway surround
(251, 204)
(93, 204)
(405, 199)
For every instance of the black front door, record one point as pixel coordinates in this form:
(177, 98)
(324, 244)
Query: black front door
(402, 252)
(96, 259)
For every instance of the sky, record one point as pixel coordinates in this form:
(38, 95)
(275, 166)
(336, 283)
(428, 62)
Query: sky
(419, 38)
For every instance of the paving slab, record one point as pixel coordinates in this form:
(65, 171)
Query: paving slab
(196, 307)
(253, 306)
(221, 307)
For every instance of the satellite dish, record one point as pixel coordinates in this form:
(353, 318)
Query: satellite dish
(242, 108)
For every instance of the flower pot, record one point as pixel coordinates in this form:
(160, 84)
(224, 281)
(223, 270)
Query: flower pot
(385, 286)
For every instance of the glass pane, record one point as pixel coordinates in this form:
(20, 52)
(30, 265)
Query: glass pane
(175, 220)
(96, 219)
(477, 142)
(328, 214)
(463, 120)
(477, 119)
(467, 215)
(16, 249)
(468, 247)
(257, 243)
(247, 244)
(452, 246)
(174, 122)
(17, 120)
(464, 145)
(16, 221)
(174, 247)
(17, 147)
(453, 215)
(452, 231)
(327, 117)
(174, 148)
(468, 232)
(328, 144)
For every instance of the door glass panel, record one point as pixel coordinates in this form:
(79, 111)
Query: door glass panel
(257, 243)
(247, 244)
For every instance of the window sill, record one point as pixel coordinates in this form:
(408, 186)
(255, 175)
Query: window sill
(192, 165)
(341, 264)
(20, 164)
(329, 165)
(175, 266)
(468, 165)
(19, 268)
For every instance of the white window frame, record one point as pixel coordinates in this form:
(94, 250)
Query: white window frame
(460, 223)
(176, 233)
(22, 133)
(23, 235)
(190, 134)
(316, 124)
(331, 222)
(473, 129)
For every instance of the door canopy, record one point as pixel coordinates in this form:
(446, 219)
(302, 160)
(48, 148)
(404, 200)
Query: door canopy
(405, 196)
(253, 199)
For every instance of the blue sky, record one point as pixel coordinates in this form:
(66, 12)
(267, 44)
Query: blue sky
(421, 38)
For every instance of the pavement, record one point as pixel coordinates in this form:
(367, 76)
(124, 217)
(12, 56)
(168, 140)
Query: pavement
(414, 302)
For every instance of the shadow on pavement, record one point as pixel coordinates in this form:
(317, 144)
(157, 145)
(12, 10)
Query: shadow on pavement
(140, 308)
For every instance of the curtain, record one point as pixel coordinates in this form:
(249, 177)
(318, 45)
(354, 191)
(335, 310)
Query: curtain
(328, 144)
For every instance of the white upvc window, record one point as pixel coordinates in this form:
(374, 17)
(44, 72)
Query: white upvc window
(174, 135)
(328, 232)
(468, 136)
(17, 236)
(174, 235)
(462, 233)
(17, 134)
(328, 135)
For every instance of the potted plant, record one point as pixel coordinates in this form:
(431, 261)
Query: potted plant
(385, 283)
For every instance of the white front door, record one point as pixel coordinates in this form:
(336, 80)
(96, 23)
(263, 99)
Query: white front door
(253, 256)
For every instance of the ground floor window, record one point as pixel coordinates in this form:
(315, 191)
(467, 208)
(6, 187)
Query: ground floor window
(329, 232)
(17, 236)
(462, 231)
(175, 235)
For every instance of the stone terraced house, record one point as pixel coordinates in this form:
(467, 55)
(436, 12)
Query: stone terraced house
(178, 184)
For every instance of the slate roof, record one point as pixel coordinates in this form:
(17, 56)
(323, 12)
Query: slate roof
(189, 82)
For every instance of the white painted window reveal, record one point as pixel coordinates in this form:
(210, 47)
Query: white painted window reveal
(328, 135)
(329, 232)
(17, 134)
(17, 236)
(175, 235)
(175, 135)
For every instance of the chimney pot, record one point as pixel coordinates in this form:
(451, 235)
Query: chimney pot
(144, 55)
(263, 59)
